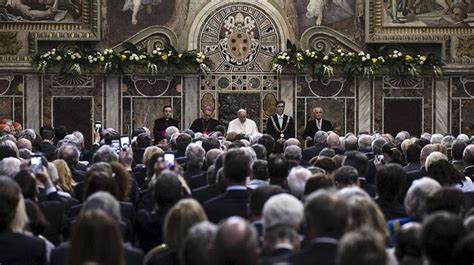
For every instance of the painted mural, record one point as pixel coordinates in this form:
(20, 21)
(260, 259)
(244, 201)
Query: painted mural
(40, 10)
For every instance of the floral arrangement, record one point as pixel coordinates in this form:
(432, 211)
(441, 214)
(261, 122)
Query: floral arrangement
(161, 60)
(362, 63)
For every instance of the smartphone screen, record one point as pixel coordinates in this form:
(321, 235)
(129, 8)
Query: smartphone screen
(116, 145)
(36, 163)
(169, 159)
(124, 142)
(98, 126)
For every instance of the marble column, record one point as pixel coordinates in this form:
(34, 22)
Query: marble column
(32, 102)
(112, 102)
(191, 99)
(441, 116)
(364, 105)
(287, 93)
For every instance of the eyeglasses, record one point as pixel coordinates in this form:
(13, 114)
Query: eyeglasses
(280, 106)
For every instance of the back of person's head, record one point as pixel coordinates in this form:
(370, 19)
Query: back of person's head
(297, 180)
(10, 198)
(434, 157)
(318, 181)
(358, 160)
(104, 154)
(327, 152)
(445, 199)
(440, 233)
(182, 141)
(37, 222)
(109, 135)
(468, 155)
(365, 143)
(8, 149)
(60, 132)
(100, 181)
(149, 152)
(259, 196)
(346, 176)
(390, 181)
(143, 141)
(166, 188)
(195, 155)
(138, 131)
(267, 141)
(260, 151)
(436, 138)
(350, 143)
(413, 153)
(377, 145)
(235, 243)
(415, 199)
(182, 216)
(444, 172)
(320, 138)
(9, 167)
(362, 247)
(408, 244)
(282, 209)
(104, 201)
(277, 168)
(364, 211)
(326, 163)
(237, 163)
(211, 143)
(96, 237)
(293, 152)
(260, 170)
(325, 215)
(392, 154)
(457, 149)
(198, 243)
(70, 154)
(27, 183)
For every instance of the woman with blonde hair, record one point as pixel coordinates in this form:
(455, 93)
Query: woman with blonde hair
(178, 221)
(65, 181)
(365, 212)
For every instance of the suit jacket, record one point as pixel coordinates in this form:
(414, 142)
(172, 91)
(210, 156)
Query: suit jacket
(391, 209)
(205, 193)
(58, 223)
(202, 126)
(319, 253)
(21, 249)
(133, 256)
(311, 129)
(149, 227)
(230, 203)
(160, 126)
(198, 181)
(274, 129)
(469, 171)
(412, 167)
(311, 152)
(48, 150)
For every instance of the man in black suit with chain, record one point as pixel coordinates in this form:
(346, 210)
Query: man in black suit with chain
(280, 126)
(159, 130)
(316, 124)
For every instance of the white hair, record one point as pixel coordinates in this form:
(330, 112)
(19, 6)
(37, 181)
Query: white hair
(297, 180)
(434, 157)
(195, 154)
(436, 138)
(10, 167)
(171, 130)
(351, 192)
(420, 189)
(254, 138)
(102, 200)
(282, 209)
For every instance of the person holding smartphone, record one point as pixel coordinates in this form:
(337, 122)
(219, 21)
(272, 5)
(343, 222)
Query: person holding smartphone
(159, 129)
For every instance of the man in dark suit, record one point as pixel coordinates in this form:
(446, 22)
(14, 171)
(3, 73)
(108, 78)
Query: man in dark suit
(206, 124)
(159, 130)
(280, 126)
(320, 142)
(326, 219)
(47, 147)
(315, 125)
(234, 201)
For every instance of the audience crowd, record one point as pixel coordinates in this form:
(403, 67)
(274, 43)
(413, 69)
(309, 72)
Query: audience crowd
(234, 199)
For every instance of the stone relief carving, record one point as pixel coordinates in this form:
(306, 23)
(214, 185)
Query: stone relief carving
(9, 43)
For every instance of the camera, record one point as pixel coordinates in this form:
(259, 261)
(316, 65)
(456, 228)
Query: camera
(36, 163)
(169, 160)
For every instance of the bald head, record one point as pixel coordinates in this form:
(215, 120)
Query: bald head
(292, 141)
(235, 243)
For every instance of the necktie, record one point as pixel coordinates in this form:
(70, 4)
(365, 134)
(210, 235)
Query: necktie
(280, 121)
(319, 124)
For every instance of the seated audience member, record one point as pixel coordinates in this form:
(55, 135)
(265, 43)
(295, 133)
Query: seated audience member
(350, 143)
(180, 218)
(390, 180)
(364, 143)
(9, 167)
(326, 218)
(318, 181)
(200, 180)
(464, 250)
(182, 142)
(198, 244)
(362, 247)
(360, 162)
(143, 141)
(17, 247)
(415, 200)
(260, 151)
(391, 154)
(448, 176)
(297, 180)
(212, 189)
(8, 149)
(320, 142)
(234, 201)
(282, 217)
(328, 164)
(260, 176)
(346, 176)
(166, 190)
(293, 156)
(413, 158)
(457, 150)
(445, 199)
(65, 182)
(96, 237)
(408, 247)
(195, 157)
(71, 154)
(440, 232)
(235, 243)
(269, 143)
(364, 212)
(257, 199)
(374, 157)
(278, 170)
